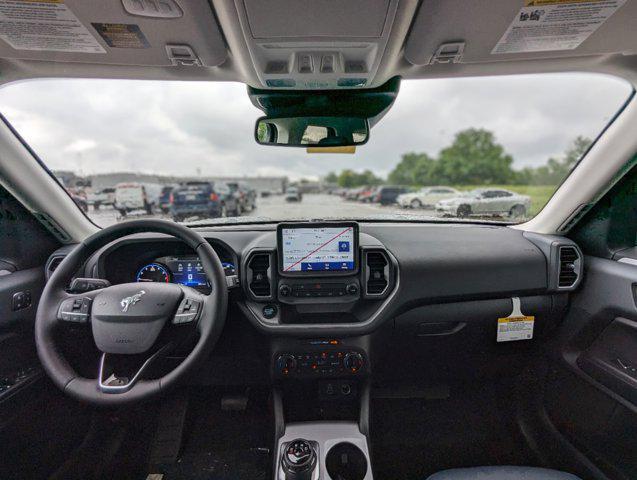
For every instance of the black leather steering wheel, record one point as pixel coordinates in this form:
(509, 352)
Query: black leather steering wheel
(129, 321)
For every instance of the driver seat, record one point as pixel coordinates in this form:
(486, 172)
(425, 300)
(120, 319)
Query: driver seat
(502, 473)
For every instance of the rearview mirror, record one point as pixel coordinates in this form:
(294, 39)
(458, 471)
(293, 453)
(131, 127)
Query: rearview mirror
(311, 131)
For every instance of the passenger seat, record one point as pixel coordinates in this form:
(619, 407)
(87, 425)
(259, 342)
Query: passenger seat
(502, 473)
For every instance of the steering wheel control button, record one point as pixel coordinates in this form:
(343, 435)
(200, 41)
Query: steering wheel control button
(188, 311)
(75, 310)
(81, 285)
(270, 311)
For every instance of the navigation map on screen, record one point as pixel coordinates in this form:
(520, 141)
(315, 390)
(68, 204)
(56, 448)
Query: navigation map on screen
(309, 249)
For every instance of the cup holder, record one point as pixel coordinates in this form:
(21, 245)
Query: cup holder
(345, 461)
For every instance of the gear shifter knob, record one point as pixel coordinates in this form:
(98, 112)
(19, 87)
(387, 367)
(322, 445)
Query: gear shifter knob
(298, 460)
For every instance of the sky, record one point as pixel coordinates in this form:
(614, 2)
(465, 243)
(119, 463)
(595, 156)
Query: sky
(197, 128)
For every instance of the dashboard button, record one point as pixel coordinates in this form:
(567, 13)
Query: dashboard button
(285, 290)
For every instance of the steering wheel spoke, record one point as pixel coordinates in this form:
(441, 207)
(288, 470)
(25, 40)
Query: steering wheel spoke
(111, 378)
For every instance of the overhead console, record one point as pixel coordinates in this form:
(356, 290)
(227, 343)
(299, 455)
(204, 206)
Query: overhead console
(319, 274)
(313, 45)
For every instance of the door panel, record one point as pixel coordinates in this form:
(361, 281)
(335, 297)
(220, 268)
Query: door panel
(24, 248)
(612, 358)
(591, 397)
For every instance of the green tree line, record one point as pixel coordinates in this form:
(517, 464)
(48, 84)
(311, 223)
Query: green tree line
(473, 158)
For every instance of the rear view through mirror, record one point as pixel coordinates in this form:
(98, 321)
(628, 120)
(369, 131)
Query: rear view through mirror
(311, 131)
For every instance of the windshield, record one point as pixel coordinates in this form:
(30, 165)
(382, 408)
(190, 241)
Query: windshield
(480, 149)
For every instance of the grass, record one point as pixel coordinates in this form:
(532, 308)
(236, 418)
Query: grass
(540, 194)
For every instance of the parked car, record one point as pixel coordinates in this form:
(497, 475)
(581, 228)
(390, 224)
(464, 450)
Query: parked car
(426, 197)
(164, 198)
(105, 196)
(353, 193)
(292, 194)
(486, 201)
(203, 199)
(131, 196)
(245, 195)
(366, 195)
(387, 194)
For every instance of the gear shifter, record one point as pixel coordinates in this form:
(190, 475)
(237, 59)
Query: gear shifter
(298, 460)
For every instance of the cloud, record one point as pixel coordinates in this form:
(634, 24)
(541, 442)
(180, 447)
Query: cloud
(99, 126)
(80, 145)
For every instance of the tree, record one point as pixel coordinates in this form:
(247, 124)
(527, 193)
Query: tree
(347, 179)
(331, 178)
(556, 169)
(350, 178)
(560, 168)
(413, 169)
(474, 158)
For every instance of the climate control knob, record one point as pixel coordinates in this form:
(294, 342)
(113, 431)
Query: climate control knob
(286, 364)
(353, 361)
(352, 289)
(285, 290)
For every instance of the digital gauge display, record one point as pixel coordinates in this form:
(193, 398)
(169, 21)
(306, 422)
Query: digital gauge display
(183, 271)
(189, 272)
(153, 272)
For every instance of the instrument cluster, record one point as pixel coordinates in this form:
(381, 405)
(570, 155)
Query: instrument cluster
(186, 271)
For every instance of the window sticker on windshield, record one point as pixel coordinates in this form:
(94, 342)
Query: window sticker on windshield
(516, 326)
(121, 35)
(44, 25)
(545, 25)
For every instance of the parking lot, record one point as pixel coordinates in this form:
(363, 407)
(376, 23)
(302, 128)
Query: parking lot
(313, 206)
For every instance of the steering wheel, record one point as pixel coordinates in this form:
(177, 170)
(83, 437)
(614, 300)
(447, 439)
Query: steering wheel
(131, 323)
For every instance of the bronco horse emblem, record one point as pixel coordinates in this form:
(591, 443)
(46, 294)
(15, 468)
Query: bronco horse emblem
(128, 302)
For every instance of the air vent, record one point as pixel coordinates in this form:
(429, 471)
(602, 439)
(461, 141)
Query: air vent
(259, 275)
(52, 264)
(569, 267)
(377, 272)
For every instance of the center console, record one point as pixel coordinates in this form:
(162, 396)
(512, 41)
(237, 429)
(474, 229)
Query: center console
(323, 451)
(315, 289)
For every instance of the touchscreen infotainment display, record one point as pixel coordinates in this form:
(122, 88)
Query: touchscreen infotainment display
(318, 248)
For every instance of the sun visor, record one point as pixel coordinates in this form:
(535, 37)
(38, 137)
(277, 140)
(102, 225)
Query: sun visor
(121, 32)
(475, 31)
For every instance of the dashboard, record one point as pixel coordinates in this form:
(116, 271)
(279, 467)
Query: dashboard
(312, 297)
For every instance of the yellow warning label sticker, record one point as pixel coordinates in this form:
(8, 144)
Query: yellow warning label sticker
(515, 328)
